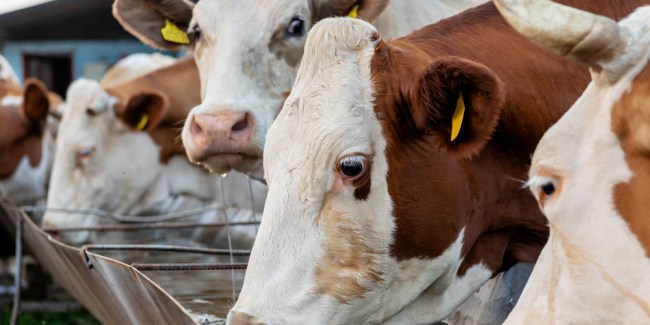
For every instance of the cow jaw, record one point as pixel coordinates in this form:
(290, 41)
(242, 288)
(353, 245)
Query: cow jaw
(245, 65)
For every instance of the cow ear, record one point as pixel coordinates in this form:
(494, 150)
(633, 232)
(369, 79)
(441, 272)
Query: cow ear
(161, 24)
(367, 10)
(458, 101)
(144, 111)
(36, 104)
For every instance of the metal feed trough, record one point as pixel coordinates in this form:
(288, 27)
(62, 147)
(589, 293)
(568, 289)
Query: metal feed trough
(113, 291)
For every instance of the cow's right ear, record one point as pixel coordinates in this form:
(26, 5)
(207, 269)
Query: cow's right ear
(459, 102)
(36, 104)
(161, 24)
(144, 111)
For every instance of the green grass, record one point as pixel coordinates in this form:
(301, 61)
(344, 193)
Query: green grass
(69, 318)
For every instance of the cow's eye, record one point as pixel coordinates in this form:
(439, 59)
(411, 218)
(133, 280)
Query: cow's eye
(352, 166)
(544, 187)
(296, 27)
(194, 33)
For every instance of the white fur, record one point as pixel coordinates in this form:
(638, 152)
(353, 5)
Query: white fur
(330, 114)
(239, 72)
(124, 174)
(593, 269)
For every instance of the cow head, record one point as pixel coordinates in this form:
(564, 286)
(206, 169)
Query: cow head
(106, 158)
(591, 171)
(369, 201)
(248, 54)
(23, 117)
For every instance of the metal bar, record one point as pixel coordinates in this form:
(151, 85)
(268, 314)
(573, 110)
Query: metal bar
(188, 266)
(165, 248)
(134, 227)
(124, 218)
(19, 269)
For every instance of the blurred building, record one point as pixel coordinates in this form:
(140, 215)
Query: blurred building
(59, 41)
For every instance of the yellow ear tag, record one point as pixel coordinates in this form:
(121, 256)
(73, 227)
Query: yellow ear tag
(172, 33)
(354, 13)
(143, 122)
(457, 119)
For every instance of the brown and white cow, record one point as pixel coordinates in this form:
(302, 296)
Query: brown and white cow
(378, 212)
(119, 152)
(26, 139)
(133, 66)
(591, 173)
(248, 53)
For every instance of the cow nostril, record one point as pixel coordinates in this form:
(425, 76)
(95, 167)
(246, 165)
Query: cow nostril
(195, 128)
(241, 125)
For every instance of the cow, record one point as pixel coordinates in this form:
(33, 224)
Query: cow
(119, 152)
(395, 170)
(248, 53)
(590, 172)
(27, 138)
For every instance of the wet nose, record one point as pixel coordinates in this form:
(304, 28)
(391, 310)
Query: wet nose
(236, 318)
(222, 126)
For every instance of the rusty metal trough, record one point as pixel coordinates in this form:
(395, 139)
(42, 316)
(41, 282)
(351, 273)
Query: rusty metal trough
(114, 292)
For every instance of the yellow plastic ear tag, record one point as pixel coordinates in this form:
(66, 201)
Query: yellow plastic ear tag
(172, 33)
(354, 12)
(457, 119)
(143, 122)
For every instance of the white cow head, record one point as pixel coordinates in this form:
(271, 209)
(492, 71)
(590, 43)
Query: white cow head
(105, 158)
(247, 52)
(591, 172)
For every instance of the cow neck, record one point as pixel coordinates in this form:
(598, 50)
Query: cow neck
(27, 179)
(629, 117)
(482, 194)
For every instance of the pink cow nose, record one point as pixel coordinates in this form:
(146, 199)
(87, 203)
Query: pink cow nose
(222, 126)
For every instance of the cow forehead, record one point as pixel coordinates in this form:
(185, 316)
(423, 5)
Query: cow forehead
(246, 16)
(330, 107)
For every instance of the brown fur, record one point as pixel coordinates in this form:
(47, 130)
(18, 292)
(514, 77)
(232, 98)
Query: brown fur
(180, 83)
(349, 262)
(506, 82)
(631, 123)
(368, 9)
(22, 129)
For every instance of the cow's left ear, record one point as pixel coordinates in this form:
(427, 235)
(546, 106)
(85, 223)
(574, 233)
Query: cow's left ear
(367, 10)
(144, 111)
(36, 104)
(459, 101)
(161, 24)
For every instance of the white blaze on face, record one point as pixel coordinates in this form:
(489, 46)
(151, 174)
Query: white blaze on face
(246, 61)
(100, 162)
(573, 174)
(322, 254)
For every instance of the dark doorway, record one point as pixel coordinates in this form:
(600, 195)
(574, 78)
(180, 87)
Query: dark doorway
(55, 70)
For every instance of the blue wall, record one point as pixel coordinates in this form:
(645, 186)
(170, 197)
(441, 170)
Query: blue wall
(83, 52)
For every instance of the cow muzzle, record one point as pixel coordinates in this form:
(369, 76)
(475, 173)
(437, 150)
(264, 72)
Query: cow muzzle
(237, 318)
(221, 141)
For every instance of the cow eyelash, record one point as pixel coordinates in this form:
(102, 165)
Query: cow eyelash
(353, 166)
